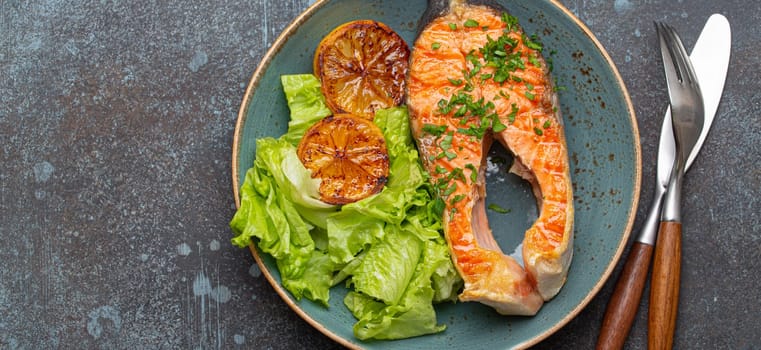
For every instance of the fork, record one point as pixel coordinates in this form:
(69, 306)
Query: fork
(687, 120)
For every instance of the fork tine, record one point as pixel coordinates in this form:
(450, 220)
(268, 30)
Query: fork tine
(684, 57)
(683, 87)
(684, 68)
(685, 97)
(672, 44)
(668, 56)
(668, 46)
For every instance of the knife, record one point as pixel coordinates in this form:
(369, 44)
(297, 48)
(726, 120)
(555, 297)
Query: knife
(710, 59)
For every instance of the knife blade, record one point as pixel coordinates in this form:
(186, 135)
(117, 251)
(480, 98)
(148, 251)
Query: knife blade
(710, 59)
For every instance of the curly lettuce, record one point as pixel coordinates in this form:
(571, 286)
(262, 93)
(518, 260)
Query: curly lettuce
(387, 248)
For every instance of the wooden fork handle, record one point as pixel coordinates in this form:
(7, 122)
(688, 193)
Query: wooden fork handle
(624, 302)
(664, 286)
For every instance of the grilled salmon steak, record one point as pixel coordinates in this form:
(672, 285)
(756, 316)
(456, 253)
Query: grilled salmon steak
(476, 77)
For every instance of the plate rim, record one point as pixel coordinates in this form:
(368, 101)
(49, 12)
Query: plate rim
(266, 61)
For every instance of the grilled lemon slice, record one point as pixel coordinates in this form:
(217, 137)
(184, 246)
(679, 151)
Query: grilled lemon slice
(362, 66)
(348, 154)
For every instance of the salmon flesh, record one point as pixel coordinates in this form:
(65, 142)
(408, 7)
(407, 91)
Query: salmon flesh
(476, 77)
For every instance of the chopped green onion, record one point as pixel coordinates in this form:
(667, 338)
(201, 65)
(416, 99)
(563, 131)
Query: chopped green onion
(449, 190)
(455, 82)
(457, 174)
(535, 61)
(433, 129)
(461, 111)
(513, 113)
(457, 198)
(446, 143)
(511, 22)
(497, 125)
(496, 208)
(473, 172)
(532, 43)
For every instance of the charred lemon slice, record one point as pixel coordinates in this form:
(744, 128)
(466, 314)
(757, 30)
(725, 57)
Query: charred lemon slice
(362, 66)
(348, 154)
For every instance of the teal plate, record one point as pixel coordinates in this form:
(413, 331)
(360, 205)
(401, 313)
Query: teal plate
(603, 142)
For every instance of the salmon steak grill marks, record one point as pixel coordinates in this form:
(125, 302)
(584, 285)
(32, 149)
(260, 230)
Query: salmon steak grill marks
(475, 77)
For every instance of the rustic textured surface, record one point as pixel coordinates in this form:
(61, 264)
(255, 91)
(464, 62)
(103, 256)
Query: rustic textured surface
(116, 122)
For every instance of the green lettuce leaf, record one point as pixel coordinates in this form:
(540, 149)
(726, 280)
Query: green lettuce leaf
(306, 102)
(413, 315)
(271, 210)
(349, 234)
(387, 247)
(387, 268)
(312, 280)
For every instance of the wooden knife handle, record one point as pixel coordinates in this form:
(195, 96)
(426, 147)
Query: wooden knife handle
(624, 302)
(664, 286)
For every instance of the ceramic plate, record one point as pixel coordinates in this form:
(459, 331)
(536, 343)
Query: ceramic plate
(603, 142)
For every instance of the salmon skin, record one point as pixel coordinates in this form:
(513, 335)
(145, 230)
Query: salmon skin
(474, 78)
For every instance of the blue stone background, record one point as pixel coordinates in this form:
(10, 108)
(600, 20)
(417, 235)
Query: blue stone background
(116, 124)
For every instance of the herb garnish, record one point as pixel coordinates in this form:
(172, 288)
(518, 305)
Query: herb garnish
(435, 130)
(470, 23)
(496, 208)
(477, 115)
(473, 172)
